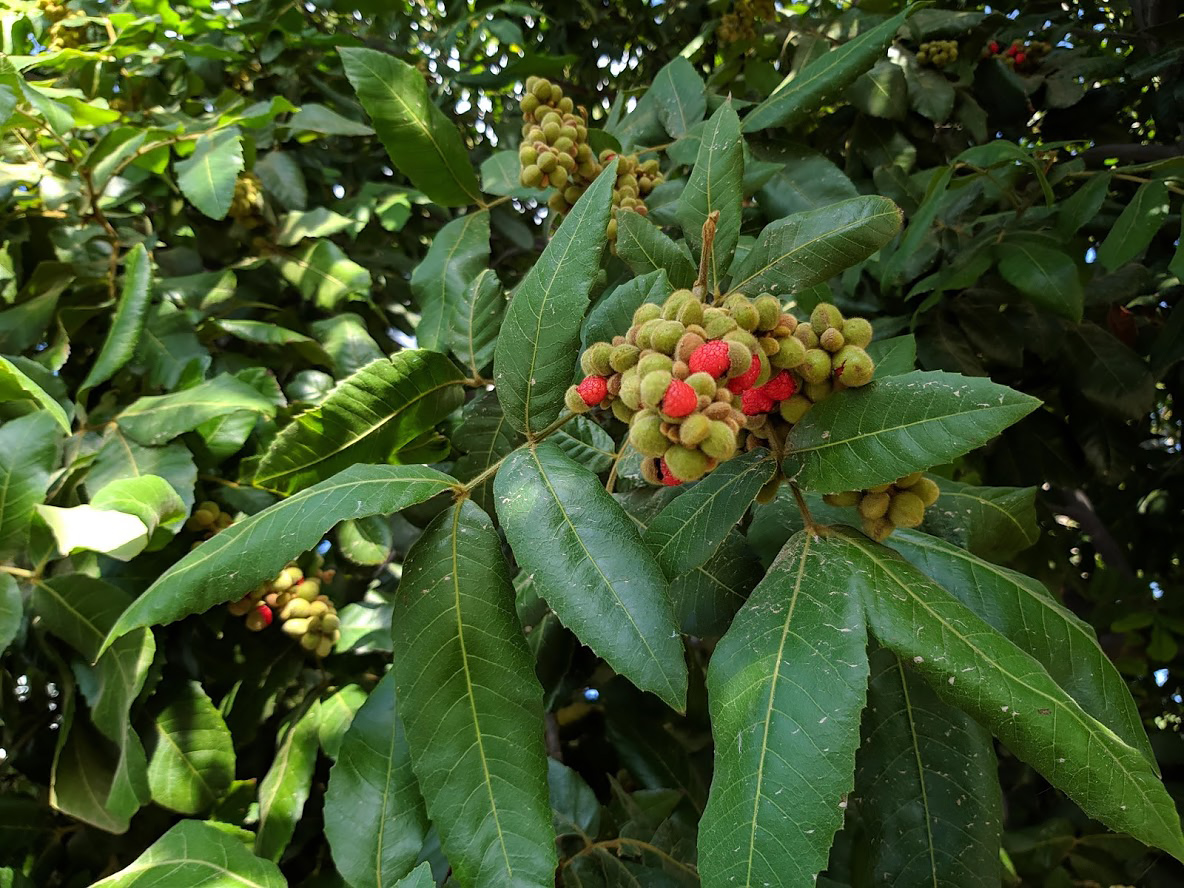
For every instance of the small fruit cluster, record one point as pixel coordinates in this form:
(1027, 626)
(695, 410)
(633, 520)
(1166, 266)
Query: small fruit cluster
(938, 53)
(54, 10)
(64, 36)
(1021, 57)
(688, 378)
(740, 23)
(888, 506)
(207, 519)
(635, 180)
(246, 207)
(305, 613)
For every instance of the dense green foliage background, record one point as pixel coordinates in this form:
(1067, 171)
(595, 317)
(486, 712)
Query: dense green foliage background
(1041, 249)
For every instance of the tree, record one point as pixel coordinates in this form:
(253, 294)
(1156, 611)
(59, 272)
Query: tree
(487, 447)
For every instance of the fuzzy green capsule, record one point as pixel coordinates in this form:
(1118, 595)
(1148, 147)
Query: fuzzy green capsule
(645, 434)
(825, 316)
(704, 384)
(720, 443)
(686, 464)
(906, 510)
(768, 309)
(596, 359)
(845, 499)
(853, 366)
(630, 393)
(816, 366)
(624, 356)
(653, 387)
(694, 429)
(792, 409)
(791, 353)
(574, 402)
(653, 361)
(857, 331)
(665, 337)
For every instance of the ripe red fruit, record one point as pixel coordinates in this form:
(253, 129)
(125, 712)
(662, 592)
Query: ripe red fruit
(745, 380)
(1019, 58)
(780, 387)
(680, 399)
(668, 478)
(593, 390)
(994, 47)
(755, 401)
(264, 613)
(711, 357)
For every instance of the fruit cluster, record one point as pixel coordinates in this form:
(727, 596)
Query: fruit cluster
(207, 519)
(63, 36)
(54, 10)
(246, 207)
(555, 153)
(740, 23)
(888, 506)
(689, 378)
(938, 53)
(305, 613)
(1021, 57)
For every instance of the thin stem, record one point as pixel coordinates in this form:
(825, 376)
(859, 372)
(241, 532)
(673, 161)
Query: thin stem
(463, 490)
(807, 518)
(612, 475)
(552, 428)
(636, 843)
(19, 572)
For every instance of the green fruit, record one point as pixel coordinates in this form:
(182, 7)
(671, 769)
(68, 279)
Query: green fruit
(691, 312)
(906, 510)
(645, 434)
(790, 353)
(622, 411)
(653, 387)
(746, 316)
(529, 103)
(630, 393)
(295, 628)
(309, 589)
(857, 331)
(647, 311)
(825, 315)
(532, 176)
(542, 90)
(559, 177)
(563, 144)
(596, 359)
(792, 409)
(686, 464)
(853, 366)
(927, 490)
(527, 155)
(818, 391)
(548, 162)
(879, 529)
(806, 335)
(740, 356)
(831, 340)
(573, 401)
(874, 505)
(646, 333)
(716, 324)
(296, 608)
(551, 132)
(908, 480)
(311, 641)
(651, 362)
(666, 336)
(879, 488)
(816, 366)
(842, 500)
(676, 301)
(703, 384)
(768, 307)
(623, 357)
(694, 429)
(720, 442)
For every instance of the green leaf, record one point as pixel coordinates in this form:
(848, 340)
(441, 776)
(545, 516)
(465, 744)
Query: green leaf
(808, 248)
(324, 274)
(374, 816)
(196, 853)
(715, 184)
(459, 251)
(917, 233)
(471, 704)
(930, 92)
(283, 179)
(881, 92)
(422, 143)
(1083, 204)
(614, 312)
(347, 341)
(785, 687)
(532, 363)
(88, 529)
(706, 598)
(257, 547)
(149, 498)
(893, 356)
(500, 175)
(807, 181)
(264, 333)
(420, 877)
(472, 334)
(285, 788)
(862, 437)
(120, 458)
(587, 443)
(335, 714)
(992, 522)
(686, 533)
(366, 540)
(1139, 222)
(823, 78)
(1048, 277)
(974, 667)
(1023, 610)
(645, 248)
(926, 787)
(191, 762)
(207, 176)
(28, 453)
(11, 610)
(594, 570)
(366, 418)
(169, 348)
(157, 419)
(83, 775)
(128, 320)
(677, 93)
(15, 385)
(1111, 375)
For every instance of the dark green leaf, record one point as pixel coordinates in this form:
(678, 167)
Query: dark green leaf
(325, 275)
(1083, 204)
(677, 92)
(365, 540)
(1110, 374)
(472, 335)
(807, 181)
(992, 522)
(645, 248)
(706, 598)
(893, 356)
(347, 341)
(285, 788)
(715, 185)
(587, 443)
(15, 385)
(917, 232)
(458, 253)
(120, 458)
(881, 92)
(614, 312)
(11, 610)
(207, 176)
(931, 94)
(1138, 224)
(1046, 276)
(128, 320)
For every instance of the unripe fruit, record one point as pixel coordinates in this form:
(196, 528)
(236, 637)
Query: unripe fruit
(675, 301)
(853, 366)
(690, 343)
(527, 155)
(844, 499)
(831, 340)
(622, 411)
(309, 589)
(703, 384)
(816, 367)
(310, 641)
(295, 609)
(242, 607)
(790, 353)
(874, 505)
(610, 230)
(927, 490)
(680, 370)
(908, 480)
(793, 409)
(653, 361)
(260, 618)
(718, 325)
(768, 493)
(880, 488)
(542, 90)
(295, 628)
(532, 176)
(686, 464)
(694, 429)
(324, 647)
(666, 336)
(647, 311)
(547, 162)
(294, 573)
(768, 309)
(818, 391)
(596, 359)
(573, 402)
(645, 333)
(645, 434)
(806, 335)
(559, 178)
(906, 510)
(746, 315)
(691, 312)
(825, 315)
(204, 517)
(879, 529)
(623, 357)
(529, 103)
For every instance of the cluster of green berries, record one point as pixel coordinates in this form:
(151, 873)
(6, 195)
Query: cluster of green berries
(635, 180)
(938, 53)
(54, 10)
(246, 207)
(740, 23)
(207, 519)
(63, 36)
(1019, 56)
(305, 613)
(690, 378)
(886, 507)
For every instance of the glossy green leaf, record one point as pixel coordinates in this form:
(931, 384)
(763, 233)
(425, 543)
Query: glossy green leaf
(285, 788)
(893, 356)
(11, 610)
(931, 93)
(677, 92)
(157, 419)
(715, 185)
(366, 418)
(283, 179)
(1083, 204)
(535, 351)
(130, 313)
(1046, 276)
(807, 181)
(1111, 374)
(614, 312)
(169, 348)
(83, 775)
(1139, 222)
(645, 248)
(421, 142)
(149, 498)
(587, 443)
(420, 877)
(191, 763)
(594, 570)
(335, 714)
(458, 253)
(365, 540)
(472, 336)
(992, 522)
(15, 385)
(917, 233)
(901, 424)
(374, 816)
(263, 333)
(707, 597)
(823, 78)
(1024, 611)
(974, 667)
(811, 247)
(120, 458)
(257, 547)
(926, 787)
(686, 533)
(325, 275)
(347, 342)
(197, 853)
(28, 453)
(786, 685)
(471, 704)
(206, 177)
